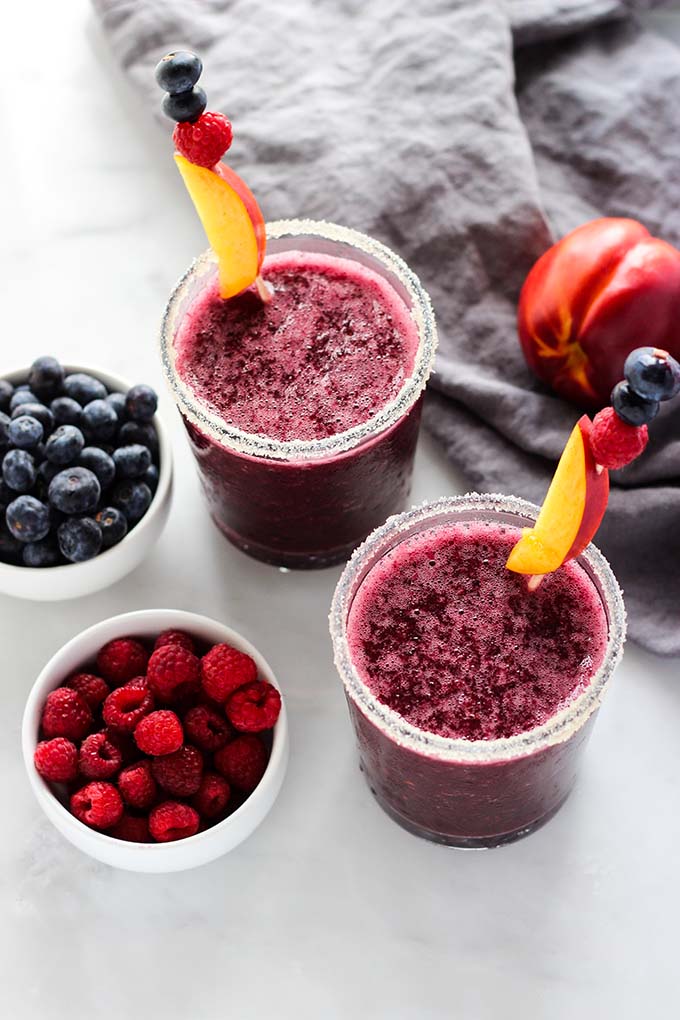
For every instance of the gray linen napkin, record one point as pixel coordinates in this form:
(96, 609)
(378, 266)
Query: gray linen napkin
(418, 123)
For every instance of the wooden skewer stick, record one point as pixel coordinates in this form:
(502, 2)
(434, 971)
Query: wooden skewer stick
(263, 290)
(534, 581)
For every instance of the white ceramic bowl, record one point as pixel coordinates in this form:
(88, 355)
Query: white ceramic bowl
(152, 857)
(71, 580)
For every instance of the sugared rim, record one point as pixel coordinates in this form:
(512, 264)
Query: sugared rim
(258, 445)
(52, 574)
(558, 728)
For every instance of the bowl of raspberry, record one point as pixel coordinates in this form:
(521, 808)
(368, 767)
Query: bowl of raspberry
(85, 479)
(156, 741)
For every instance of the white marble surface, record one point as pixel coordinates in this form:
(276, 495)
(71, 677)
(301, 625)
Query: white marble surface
(329, 911)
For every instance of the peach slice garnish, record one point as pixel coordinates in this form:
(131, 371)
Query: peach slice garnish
(571, 513)
(232, 221)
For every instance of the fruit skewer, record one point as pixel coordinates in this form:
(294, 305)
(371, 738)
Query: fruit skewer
(227, 208)
(577, 497)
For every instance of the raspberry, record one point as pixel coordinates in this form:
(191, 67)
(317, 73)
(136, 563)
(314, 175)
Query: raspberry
(175, 637)
(125, 706)
(98, 805)
(212, 796)
(613, 442)
(254, 708)
(92, 689)
(204, 141)
(172, 820)
(99, 758)
(205, 727)
(137, 785)
(131, 828)
(243, 762)
(159, 733)
(56, 760)
(122, 660)
(173, 672)
(179, 773)
(66, 714)
(223, 669)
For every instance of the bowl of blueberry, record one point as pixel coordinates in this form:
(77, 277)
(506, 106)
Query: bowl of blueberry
(85, 479)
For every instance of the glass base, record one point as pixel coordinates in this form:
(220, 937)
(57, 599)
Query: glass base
(466, 842)
(290, 560)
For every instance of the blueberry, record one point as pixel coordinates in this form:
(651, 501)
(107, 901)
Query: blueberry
(652, 374)
(99, 421)
(117, 402)
(10, 547)
(99, 463)
(631, 408)
(18, 470)
(112, 524)
(41, 554)
(151, 477)
(84, 388)
(66, 411)
(28, 519)
(79, 539)
(45, 377)
(25, 432)
(185, 106)
(141, 403)
(64, 445)
(22, 395)
(6, 391)
(4, 430)
(133, 498)
(74, 491)
(131, 461)
(178, 72)
(139, 432)
(39, 411)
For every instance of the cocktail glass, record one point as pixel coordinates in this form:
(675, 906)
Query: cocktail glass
(306, 503)
(470, 793)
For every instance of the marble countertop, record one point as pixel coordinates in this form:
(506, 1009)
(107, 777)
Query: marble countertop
(330, 910)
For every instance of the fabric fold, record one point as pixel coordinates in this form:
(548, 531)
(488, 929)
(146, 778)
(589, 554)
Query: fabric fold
(447, 129)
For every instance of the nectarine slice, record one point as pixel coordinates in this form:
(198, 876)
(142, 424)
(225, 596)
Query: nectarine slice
(231, 219)
(571, 513)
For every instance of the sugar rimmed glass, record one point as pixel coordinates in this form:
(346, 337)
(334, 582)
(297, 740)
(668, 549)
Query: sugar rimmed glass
(469, 793)
(306, 503)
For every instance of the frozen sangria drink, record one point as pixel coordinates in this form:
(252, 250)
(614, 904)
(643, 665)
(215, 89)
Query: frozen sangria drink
(302, 411)
(471, 694)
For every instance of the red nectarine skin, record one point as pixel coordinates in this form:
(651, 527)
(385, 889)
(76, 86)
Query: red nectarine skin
(601, 291)
(597, 495)
(252, 208)
(571, 512)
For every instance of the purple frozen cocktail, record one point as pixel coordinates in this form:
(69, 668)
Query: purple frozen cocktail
(472, 696)
(302, 411)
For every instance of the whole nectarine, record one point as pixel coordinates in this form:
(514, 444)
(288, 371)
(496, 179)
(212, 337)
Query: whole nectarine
(604, 289)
